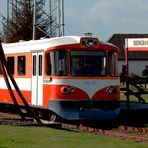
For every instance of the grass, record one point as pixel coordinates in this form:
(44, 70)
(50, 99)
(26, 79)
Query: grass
(133, 98)
(45, 137)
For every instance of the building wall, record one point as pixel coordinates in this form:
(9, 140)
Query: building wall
(135, 67)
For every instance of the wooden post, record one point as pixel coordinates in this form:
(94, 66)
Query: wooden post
(127, 74)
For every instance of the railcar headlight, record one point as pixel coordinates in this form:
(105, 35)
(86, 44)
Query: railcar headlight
(114, 91)
(72, 90)
(64, 89)
(89, 43)
(110, 90)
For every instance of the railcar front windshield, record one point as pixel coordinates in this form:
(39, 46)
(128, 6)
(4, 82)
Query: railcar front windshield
(112, 63)
(57, 63)
(88, 63)
(82, 63)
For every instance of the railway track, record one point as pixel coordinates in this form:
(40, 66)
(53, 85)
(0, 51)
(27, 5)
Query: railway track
(14, 119)
(122, 132)
(137, 134)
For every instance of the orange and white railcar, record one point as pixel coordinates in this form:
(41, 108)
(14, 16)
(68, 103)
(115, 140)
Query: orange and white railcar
(74, 77)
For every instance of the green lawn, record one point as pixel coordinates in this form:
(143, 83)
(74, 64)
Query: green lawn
(45, 137)
(132, 97)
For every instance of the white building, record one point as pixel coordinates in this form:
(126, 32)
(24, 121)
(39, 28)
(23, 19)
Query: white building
(138, 60)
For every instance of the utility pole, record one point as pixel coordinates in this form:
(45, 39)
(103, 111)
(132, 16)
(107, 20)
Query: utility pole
(7, 15)
(34, 21)
(62, 21)
(53, 16)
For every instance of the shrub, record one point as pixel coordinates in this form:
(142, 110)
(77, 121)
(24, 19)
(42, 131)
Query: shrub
(145, 73)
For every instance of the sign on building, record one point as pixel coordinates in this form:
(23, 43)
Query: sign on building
(136, 44)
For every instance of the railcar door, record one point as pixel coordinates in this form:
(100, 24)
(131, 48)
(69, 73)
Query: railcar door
(37, 78)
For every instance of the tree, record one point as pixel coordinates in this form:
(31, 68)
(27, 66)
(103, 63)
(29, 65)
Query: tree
(145, 73)
(20, 25)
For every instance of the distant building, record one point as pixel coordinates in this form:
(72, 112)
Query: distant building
(138, 60)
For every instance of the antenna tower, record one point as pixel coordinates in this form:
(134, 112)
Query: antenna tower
(53, 15)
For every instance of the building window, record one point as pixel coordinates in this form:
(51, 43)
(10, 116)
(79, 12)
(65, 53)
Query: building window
(10, 61)
(21, 65)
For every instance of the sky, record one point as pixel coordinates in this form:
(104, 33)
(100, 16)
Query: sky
(102, 17)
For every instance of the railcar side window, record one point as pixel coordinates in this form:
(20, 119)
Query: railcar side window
(10, 61)
(40, 65)
(56, 63)
(21, 65)
(34, 65)
(112, 62)
(88, 63)
(48, 63)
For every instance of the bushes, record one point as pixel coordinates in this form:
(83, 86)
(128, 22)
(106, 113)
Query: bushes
(145, 73)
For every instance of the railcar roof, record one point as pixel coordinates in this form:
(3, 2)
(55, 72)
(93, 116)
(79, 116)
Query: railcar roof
(42, 44)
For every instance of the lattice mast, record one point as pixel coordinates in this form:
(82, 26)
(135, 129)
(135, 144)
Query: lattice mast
(53, 15)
